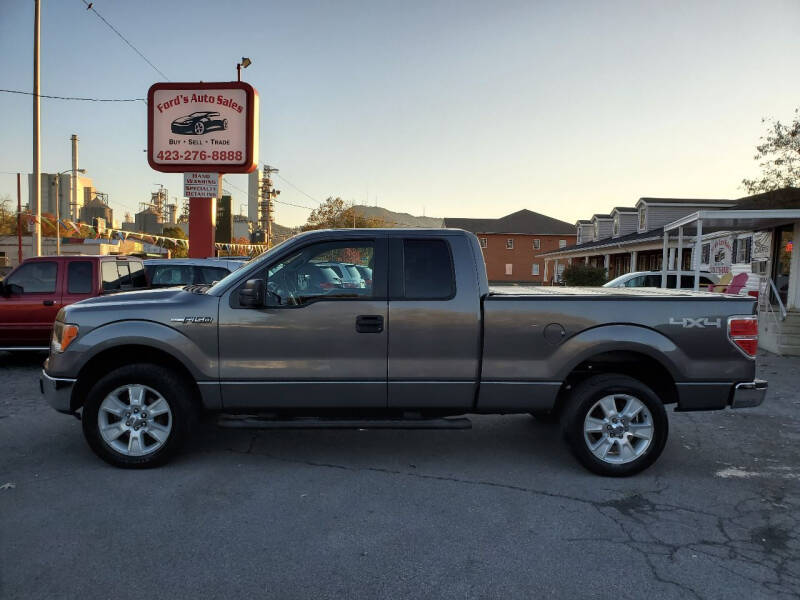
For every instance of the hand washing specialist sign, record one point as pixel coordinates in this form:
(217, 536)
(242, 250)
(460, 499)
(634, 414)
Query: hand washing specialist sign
(202, 127)
(201, 185)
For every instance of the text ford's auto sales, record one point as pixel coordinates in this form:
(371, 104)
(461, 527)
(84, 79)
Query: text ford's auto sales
(195, 98)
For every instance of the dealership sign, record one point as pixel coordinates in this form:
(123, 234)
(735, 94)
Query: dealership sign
(202, 127)
(201, 185)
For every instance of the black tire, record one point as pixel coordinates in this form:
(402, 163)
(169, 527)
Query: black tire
(584, 397)
(174, 390)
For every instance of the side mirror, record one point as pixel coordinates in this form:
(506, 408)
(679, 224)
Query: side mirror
(12, 289)
(251, 295)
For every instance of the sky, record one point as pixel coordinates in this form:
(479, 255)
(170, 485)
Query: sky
(443, 108)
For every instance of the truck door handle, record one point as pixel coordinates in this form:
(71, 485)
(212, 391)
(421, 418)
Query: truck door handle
(369, 323)
(48, 302)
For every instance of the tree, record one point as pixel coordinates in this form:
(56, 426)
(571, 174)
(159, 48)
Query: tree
(8, 218)
(779, 156)
(178, 251)
(335, 213)
(583, 274)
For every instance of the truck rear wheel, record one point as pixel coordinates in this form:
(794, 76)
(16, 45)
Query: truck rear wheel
(615, 425)
(137, 416)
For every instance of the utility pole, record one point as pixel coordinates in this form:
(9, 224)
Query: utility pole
(36, 192)
(266, 210)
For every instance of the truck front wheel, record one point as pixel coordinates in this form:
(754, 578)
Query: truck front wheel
(137, 416)
(615, 425)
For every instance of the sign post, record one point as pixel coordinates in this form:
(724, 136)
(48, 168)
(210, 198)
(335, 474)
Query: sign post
(202, 130)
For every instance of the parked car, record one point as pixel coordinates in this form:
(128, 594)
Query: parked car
(426, 343)
(366, 275)
(169, 272)
(33, 293)
(347, 272)
(198, 123)
(653, 279)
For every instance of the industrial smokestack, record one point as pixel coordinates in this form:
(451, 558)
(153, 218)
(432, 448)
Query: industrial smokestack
(73, 208)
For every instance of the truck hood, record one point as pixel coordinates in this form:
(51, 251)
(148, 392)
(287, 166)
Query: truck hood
(139, 296)
(163, 305)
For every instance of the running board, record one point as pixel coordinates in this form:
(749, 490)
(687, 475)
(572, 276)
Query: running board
(256, 422)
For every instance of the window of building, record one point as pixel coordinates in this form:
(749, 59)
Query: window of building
(742, 249)
(509, 269)
(578, 239)
(616, 224)
(537, 244)
(596, 230)
(562, 243)
(509, 244)
(642, 218)
(484, 242)
(705, 254)
(535, 269)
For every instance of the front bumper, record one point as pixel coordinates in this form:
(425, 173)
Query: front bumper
(57, 391)
(748, 394)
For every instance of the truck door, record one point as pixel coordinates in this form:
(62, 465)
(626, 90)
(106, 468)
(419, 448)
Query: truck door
(435, 321)
(315, 343)
(27, 314)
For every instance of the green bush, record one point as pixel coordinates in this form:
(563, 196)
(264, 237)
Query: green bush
(583, 274)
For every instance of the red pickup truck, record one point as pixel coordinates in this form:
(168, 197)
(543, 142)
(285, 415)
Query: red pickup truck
(32, 294)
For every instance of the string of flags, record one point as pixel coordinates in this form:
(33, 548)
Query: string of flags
(157, 240)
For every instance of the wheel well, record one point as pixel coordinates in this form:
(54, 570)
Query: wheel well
(110, 359)
(633, 364)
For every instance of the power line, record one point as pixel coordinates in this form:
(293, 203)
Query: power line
(74, 97)
(89, 6)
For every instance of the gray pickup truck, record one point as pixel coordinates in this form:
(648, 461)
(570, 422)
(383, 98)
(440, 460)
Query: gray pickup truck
(423, 341)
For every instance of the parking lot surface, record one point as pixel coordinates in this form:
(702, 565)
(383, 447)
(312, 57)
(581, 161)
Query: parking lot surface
(499, 511)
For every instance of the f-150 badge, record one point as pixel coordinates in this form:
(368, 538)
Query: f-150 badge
(689, 322)
(186, 320)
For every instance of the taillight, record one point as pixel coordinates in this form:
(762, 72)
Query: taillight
(743, 332)
(326, 285)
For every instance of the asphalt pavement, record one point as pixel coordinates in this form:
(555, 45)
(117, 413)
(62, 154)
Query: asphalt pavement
(498, 511)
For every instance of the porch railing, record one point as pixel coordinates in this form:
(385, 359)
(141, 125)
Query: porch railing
(765, 296)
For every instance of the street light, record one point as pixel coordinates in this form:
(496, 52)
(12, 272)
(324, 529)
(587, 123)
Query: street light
(246, 62)
(58, 206)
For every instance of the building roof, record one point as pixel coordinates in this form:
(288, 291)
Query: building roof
(624, 209)
(522, 221)
(653, 234)
(687, 200)
(600, 217)
(583, 222)
(788, 197)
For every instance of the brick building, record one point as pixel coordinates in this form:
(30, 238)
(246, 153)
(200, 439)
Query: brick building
(512, 244)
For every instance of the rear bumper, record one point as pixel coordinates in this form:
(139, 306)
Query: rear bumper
(57, 391)
(716, 396)
(751, 393)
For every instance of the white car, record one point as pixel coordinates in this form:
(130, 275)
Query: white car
(168, 272)
(653, 279)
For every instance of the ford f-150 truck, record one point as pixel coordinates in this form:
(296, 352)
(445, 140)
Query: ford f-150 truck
(423, 344)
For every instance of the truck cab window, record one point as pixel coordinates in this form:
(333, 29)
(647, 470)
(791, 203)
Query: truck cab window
(322, 271)
(79, 277)
(428, 270)
(38, 277)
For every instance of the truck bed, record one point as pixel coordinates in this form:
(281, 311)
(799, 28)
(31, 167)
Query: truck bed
(548, 290)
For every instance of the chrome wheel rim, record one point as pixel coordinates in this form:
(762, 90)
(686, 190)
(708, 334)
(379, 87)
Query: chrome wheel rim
(618, 428)
(134, 420)
(199, 128)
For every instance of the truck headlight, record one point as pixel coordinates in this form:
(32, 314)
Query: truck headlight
(63, 336)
